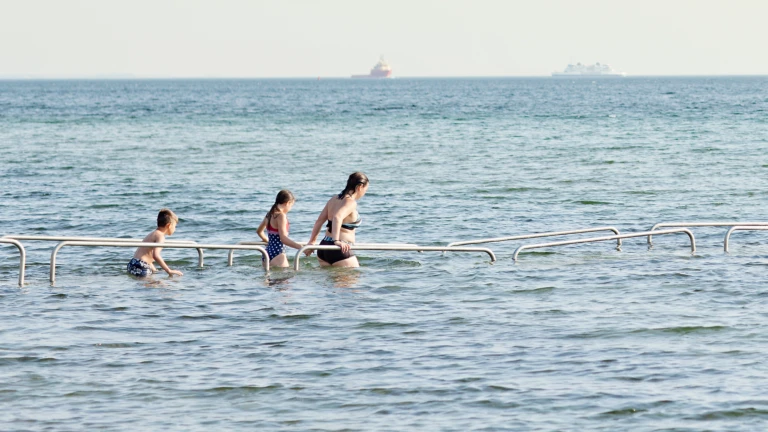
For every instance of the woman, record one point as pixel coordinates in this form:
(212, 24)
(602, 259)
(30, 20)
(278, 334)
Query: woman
(341, 214)
(276, 225)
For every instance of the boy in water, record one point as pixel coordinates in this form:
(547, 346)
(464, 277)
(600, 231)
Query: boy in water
(141, 264)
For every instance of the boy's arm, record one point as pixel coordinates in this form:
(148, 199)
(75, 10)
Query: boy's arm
(160, 238)
(161, 262)
(260, 230)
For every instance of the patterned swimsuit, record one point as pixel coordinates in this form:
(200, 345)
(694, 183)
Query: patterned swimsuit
(139, 268)
(275, 247)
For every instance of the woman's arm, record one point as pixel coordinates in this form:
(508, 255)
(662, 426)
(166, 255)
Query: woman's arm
(282, 228)
(260, 230)
(316, 228)
(349, 206)
(318, 224)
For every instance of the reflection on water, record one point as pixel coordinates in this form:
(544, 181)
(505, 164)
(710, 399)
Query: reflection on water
(343, 277)
(280, 279)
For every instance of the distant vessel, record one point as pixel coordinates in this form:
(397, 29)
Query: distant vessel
(596, 70)
(380, 70)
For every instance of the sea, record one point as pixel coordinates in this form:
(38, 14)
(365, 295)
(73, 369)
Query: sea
(568, 338)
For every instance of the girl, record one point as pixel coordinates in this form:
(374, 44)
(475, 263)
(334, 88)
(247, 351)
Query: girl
(341, 214)
(277, 225)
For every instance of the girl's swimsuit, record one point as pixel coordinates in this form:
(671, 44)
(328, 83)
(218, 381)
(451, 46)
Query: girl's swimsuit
(275, 247)
(332, 256)
(139, 268)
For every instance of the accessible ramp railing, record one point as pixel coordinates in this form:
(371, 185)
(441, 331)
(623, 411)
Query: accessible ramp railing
(198, 246)
(22, 257)
(97, 239)
(231, 255)
(727, 239)
(700, 224)
(539, 235)
(609, 238)
(393, 247)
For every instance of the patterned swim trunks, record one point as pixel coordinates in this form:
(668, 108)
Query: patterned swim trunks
(139, 268)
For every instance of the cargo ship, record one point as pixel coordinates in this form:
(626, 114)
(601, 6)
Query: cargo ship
(380, 70)
(596, 70)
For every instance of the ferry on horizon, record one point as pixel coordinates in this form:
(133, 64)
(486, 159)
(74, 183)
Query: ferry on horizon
(380, 70)
(596, 70)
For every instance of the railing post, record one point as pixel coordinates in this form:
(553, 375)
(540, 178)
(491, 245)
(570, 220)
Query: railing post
(22, 257)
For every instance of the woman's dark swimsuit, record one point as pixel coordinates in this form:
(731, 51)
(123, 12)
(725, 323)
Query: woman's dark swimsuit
(333, 256)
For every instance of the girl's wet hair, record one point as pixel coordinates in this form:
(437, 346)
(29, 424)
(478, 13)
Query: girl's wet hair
(355, 179)
(284, 196)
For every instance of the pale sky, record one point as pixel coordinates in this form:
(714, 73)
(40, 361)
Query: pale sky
(419, 38)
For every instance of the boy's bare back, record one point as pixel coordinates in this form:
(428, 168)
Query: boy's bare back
(147, 256)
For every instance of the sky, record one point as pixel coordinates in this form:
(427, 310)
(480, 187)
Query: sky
(337, 38)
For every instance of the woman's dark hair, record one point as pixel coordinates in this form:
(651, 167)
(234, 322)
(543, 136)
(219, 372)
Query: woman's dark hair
(354, 180)
(282, 197)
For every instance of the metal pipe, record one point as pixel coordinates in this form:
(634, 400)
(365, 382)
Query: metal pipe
(55, 251)
(597, 239)
(89, 239)
(727, 239)
(392, 247)
(700, 224)
(22, 257)
(537, 235)
(231, 255)
(100, 239)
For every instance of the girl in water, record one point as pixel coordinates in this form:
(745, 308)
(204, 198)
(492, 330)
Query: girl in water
(340, 213)
(277, 226)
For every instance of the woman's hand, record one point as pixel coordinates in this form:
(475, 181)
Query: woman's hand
(308, 252)
(343, 245)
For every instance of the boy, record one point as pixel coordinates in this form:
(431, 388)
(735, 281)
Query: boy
(141, 264)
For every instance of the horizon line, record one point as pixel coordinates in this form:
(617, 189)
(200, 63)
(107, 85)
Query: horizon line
(129, 77)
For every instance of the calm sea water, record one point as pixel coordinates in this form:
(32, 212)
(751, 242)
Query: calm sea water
(573, 338)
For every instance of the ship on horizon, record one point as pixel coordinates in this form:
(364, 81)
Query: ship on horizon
(596, 70)
(382, 69)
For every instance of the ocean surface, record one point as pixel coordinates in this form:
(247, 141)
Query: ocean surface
(580, 337)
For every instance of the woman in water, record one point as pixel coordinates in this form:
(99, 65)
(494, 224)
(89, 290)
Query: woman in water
(341, 214)
(277, 226)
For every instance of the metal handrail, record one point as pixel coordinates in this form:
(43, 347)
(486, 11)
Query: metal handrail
(597, 239)
(89, 239)
(727, 239)
(701, 224)
(231, 255)
(22, 257)
(101, 239)
(537, 235)
(263, 251)
(391, 247)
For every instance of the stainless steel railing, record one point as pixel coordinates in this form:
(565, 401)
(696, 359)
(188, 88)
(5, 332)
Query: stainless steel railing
(99, 239)
(727, 239)
(77, 238)
(393, 247)
(538, 235)
(609, 238)
(55, 251)
(22, 257)
(231, 255)
(701, 224)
